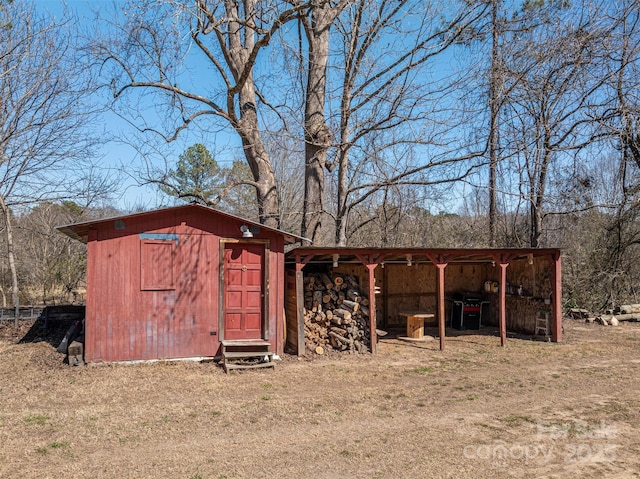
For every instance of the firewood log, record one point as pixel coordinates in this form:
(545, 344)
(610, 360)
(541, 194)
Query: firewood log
(353, 295)
(341, 339)
(337, 330)
(326, 281)
(338, 280)
(630, 308)
(350, 305)
(343, 313)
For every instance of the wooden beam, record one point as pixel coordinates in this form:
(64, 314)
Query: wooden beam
(301, 262)
(440, 261)
(556, 318)
(502, 309)
(373, 339)
(440, 290)
(371, 262)
(503, 259)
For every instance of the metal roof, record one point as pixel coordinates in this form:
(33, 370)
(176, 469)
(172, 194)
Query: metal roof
(80, 231)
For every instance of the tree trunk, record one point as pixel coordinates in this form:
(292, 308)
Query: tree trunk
(539, 191)
(317, 135)
(11, 258)
(241, 43)
(493, 125)
(343, 192)
(260, 164)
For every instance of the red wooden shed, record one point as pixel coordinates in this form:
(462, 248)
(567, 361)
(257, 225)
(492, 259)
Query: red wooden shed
(177, 282)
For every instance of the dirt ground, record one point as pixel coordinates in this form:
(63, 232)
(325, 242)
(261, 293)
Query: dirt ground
(476, 410)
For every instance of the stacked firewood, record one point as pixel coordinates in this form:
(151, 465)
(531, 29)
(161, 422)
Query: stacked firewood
(336, 315)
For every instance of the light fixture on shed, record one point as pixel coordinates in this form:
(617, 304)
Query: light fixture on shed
(246, 232)
(530, 258)
(335, 260)
(409, 259)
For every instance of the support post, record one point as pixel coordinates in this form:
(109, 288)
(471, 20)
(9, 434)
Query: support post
(556, 317)
(502, 310)
(440, 292)
(440, 262)
(372, 308)
(371, 262)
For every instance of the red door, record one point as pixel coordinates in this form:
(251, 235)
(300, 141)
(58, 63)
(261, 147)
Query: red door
(243, 290)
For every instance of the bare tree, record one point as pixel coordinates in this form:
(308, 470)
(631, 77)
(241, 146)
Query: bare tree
(43, 135)
(394, 117)
(557, 76)
(53, 266)
(148, 50)
(619, 237)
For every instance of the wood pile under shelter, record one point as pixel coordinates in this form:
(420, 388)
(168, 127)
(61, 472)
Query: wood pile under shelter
(519, 290)
(336, 314)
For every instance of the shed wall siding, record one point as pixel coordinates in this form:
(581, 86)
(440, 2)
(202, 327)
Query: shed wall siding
(126, 322)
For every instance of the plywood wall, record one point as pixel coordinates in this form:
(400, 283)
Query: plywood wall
(413, 288)
(536, 282)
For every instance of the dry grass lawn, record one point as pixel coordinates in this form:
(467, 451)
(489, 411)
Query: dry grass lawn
(476, 410)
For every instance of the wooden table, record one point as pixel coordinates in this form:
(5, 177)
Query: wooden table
(415, 323)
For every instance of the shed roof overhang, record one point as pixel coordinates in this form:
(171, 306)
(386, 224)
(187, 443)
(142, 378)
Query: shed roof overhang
(319, 255)
(80, 231)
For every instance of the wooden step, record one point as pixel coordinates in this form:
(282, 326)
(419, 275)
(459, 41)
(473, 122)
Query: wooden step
(245, 343)
(246, 349)
(246, 354)
(229, 366)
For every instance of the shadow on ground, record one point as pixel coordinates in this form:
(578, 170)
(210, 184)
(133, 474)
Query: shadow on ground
(52, 325)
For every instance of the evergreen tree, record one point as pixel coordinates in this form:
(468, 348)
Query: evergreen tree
(196, 177)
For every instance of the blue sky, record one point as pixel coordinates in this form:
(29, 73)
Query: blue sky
(116, 154)
(113, 154)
